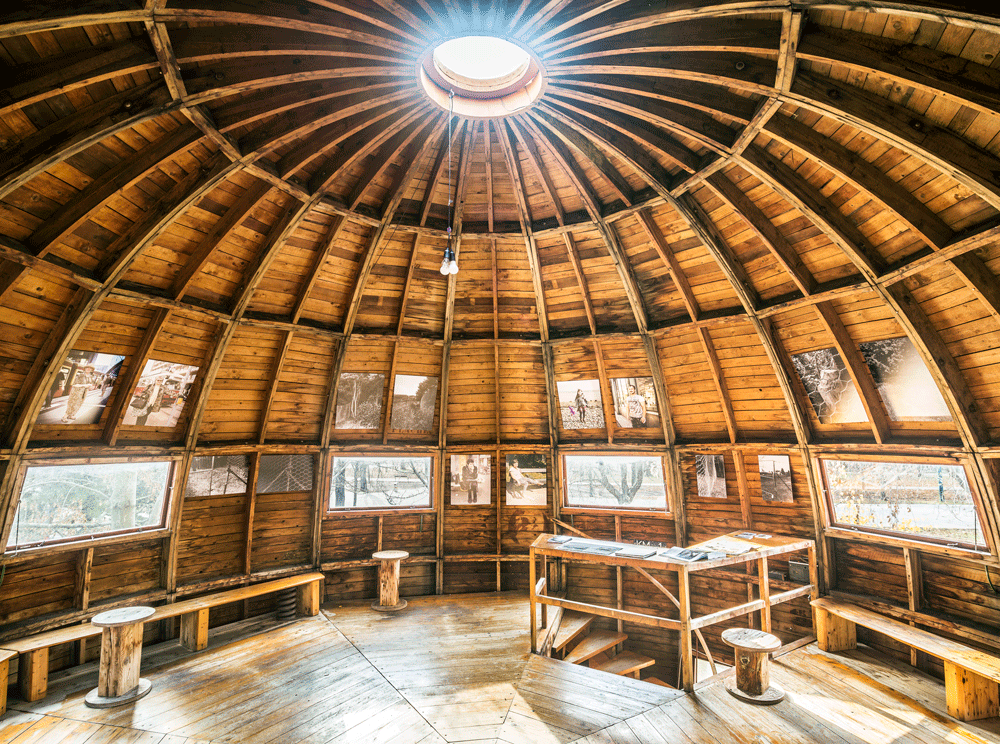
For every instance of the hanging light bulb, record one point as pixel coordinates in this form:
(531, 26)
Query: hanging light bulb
(445, 266)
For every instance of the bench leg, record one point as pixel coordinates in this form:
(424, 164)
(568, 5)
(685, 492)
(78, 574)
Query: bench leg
(33, 674)
(309, 598)
(834, 633)
(4, 672)
(970, 697)
(194, 630)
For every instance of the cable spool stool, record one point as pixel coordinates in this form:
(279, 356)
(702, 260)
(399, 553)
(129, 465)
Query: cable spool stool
(118, 679)
(753, 674)
(388, 580)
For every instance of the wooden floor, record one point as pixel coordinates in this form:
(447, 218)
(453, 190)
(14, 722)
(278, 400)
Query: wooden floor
(456, 669)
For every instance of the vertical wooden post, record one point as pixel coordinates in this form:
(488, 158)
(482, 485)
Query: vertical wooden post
(763, 580)
(687, 659)
(532, 578)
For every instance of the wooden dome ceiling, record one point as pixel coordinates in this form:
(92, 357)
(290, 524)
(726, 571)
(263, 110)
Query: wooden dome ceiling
(702, 189)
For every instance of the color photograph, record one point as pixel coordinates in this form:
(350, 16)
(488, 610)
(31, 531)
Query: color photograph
(470, 479)
(580, 404)
(82, 388)
(160, 394)
(635, 402)
(526, 480)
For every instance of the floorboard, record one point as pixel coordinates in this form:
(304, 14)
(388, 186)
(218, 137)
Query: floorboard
(456, 670)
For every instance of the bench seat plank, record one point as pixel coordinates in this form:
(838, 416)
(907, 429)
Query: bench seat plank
(971, 676)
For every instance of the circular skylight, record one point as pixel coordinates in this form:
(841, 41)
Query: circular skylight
(481, 62)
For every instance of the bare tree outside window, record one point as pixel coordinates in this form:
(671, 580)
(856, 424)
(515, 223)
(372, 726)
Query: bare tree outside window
(614, 481)
(380, 482)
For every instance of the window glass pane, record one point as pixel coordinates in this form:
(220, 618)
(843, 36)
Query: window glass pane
(831, 390)
(903, 381)
(930, 500)
(615, 481)
(285, 473)
(380, 482)
(217, 474)
(62, 502)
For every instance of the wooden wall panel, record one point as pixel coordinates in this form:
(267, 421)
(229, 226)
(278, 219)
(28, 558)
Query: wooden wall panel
(279, 290)
(524, 411)
(212, 538)
(604, 284)
(564, 298)
(961, 590)
(662, 299)
(347, 537)
(414, 533)
(627, 358)
(422, 360)
(119, 570)
(577, 362)
(694, 400)
(301, 396)
(282, 530)
(42, 586)
(327, 303)
(709, 516)
(367, 357)
(472, 394)
(471, 528)
(383, 290)
(470, 577)
(474, 290)
(517, 308)
(425, 309)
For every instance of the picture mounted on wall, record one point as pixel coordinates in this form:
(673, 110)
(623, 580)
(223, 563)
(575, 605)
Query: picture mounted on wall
(81, 390)
(906, 387)
(413, 400)
(635, 402)
(526, 480)
(829, 386)
(160, 394)
(711, 471)
(580, 404)
(359, 400)
(470, 479)
(775, 477)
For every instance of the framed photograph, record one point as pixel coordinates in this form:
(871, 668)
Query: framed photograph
(775, 477)
(160, 394)
(359, 400)
(526, 480)
(413, 399)
(580, 404)
(906, 387)
(81, 390)
(471, 476)
(635, 402)
(829, 386)
(711, 472)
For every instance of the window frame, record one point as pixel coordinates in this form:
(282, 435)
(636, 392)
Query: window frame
(330, 512)
(114, 536)
(836, 529)
(566, 507)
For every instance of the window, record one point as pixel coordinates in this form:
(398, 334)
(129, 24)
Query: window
(214, 475)
(928, 500)
(381, 483)
(60, 503)
(615, 482)
(285, 473)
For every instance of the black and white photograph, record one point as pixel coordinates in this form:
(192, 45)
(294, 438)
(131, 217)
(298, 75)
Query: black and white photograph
(359, 400)
(711, 472)
(906, 387)
(82, 388)
(829, 386)
(526, 480)
(471, 476)
(635, 402)
(160, 394)
(580, 404)
(413, 399)
(775, 477)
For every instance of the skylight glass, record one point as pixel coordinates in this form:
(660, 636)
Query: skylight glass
(481, 60)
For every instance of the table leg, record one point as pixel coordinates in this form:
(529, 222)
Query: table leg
(763, 581)
(687, 657)
(532, 578)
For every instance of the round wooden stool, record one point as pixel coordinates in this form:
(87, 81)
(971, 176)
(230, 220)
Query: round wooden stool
(118, 679)
(388, 580)
(753, 675)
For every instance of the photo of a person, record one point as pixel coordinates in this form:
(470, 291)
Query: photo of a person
(580, 404)
(160, 394)
(81, 389)
(636, 407)
(470, 479)
(580, 401)
(525, 483)
(635, 402)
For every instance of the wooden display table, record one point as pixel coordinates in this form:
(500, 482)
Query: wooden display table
(388, 580)
(118, 679)
(753, 672)
(757, 550)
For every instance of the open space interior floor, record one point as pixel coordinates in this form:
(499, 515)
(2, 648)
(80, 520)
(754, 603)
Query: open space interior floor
(457, 669)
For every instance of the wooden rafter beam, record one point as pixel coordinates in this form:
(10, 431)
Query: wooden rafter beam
(857, 368)
(272, 392)
(410, 271)
(719, 379)
(788, 44)
(504, 134)
(530, 149)
(487, 128)
(328, 245)
(977, 276)
(440, 163)
(765, 230)
(581, 279)
(659, 242)
(565, 160)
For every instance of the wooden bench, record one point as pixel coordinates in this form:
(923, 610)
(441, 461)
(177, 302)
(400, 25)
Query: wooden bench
(33, 664)
(971, 676)
(5, 657)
